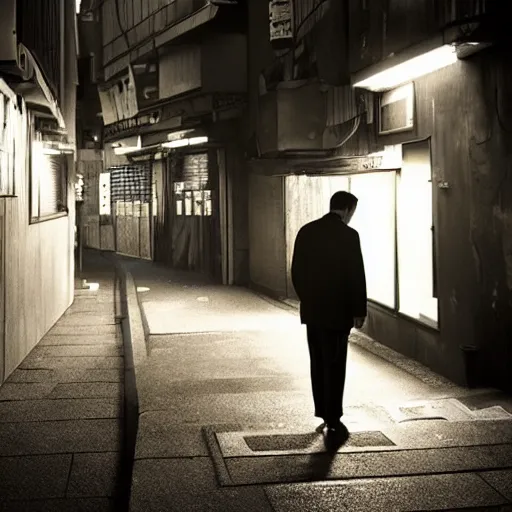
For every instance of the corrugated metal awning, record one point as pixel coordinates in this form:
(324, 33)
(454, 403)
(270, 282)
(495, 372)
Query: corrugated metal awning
(200, 17)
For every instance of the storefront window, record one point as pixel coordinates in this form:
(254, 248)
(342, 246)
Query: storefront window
(414, 222)
(375, 222)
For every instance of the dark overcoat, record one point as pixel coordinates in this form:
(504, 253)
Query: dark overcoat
(328, 274)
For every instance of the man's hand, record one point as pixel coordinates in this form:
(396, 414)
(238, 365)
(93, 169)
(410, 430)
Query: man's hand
(359, 322)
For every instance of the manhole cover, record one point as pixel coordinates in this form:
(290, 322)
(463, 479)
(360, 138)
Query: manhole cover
(288, 442)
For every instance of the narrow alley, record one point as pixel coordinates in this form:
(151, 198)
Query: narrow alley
(226, 414)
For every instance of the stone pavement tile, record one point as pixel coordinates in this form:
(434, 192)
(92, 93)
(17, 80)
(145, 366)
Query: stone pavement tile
(426, 434)
(488, 457)
(38, 391)
(65, 330)
(433, 492)
(159, 436)
(68, 375)
(210, 369)
(501, 480)
(322, 466)
(169, 485)
(282, 383)
(94, 475)
(25, 390)
(215, 408)
(92, 339)
(83, 320)
(60, 505)
(88, 390)
(76, 351)
(60, 437)
(34, 477)
(90, 308)
(54, 410)
(32, 362)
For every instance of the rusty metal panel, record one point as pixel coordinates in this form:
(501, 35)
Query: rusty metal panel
(267, 233)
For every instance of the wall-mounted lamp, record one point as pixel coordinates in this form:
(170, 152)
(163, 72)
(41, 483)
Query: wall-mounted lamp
(185, 142)
(410, 69)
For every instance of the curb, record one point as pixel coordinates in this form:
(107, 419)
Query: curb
(135, 353)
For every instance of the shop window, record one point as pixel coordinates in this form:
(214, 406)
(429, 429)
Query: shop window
(48, 183)
(374, 220)
(415, 241)
(6, 147)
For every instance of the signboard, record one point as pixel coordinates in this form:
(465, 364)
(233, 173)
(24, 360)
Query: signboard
(125, 125)
(119, 101)
(281, 22)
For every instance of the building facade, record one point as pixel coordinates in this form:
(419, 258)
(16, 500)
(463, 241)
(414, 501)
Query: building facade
(38, 78)
(405, 106)
(172, 91)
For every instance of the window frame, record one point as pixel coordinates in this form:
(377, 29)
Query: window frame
(36, 217)
(8, 140)
(395, 310)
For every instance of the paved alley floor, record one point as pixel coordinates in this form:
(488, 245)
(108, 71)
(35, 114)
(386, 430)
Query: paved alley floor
(226, 418)
(61, 426)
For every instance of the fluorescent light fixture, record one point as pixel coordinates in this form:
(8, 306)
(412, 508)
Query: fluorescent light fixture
(198, 140)
(123, 150)
(176, 143)
(51, 151)
(185, 142)
(411, 69)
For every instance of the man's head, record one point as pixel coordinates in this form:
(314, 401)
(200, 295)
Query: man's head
(344, 204)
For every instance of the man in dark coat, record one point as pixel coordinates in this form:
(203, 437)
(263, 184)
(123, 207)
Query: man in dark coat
(329, 278)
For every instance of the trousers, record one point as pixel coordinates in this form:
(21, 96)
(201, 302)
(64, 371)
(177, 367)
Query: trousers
(328, 354)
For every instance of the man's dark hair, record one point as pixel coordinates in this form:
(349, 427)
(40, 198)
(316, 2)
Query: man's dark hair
(343, 201)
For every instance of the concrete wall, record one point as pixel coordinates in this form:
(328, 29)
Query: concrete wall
(39, 264)
(471, 150)
(267, 240)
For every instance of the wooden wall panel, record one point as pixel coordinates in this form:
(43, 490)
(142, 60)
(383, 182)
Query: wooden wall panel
(267, 234)
(39, 264)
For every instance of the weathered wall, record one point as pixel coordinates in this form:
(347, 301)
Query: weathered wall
(267, 241)
(457, 108)
(39, 266)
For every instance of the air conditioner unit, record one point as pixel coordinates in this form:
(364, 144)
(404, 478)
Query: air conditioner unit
(396, 110)
(8, 39)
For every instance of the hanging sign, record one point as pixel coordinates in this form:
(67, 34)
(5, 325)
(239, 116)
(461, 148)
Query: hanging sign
(281, 22)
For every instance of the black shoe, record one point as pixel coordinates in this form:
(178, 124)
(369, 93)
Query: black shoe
(336, 434)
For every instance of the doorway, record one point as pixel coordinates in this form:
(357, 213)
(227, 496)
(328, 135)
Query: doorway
(132, 197)
(195, 214)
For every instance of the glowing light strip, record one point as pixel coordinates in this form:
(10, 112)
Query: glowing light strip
(410, 69)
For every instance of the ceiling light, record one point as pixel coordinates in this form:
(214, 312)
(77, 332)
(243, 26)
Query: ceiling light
(411, 69)
(176, 143)
(198, 140)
